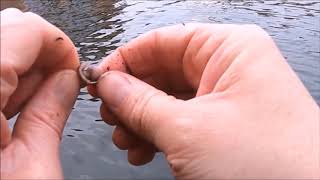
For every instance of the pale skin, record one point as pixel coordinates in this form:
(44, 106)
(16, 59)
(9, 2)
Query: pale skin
(39, 81)
(219, 101)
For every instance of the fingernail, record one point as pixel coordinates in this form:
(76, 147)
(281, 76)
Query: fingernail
(113, 88)
(94, 72)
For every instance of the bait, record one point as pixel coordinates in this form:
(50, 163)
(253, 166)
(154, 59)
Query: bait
(85, 72)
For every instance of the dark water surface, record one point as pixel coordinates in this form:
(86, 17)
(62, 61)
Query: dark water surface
(99, 26)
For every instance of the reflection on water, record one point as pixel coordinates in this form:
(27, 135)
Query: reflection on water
(97, 27)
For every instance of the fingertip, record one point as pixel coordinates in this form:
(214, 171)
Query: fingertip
(124, 139)
(141, 154)
(10, 12)
(107, 116)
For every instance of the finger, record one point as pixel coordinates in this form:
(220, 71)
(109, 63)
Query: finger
(141, 108)
(5, 133)
(49, 50)
(153, 57)
(107, 116)
(9, 82)
(124, 139)
(10, 14)
(233, 50)
(28, 84)
(141, 154)
(42, 120)
(170, 58)
(44, 41)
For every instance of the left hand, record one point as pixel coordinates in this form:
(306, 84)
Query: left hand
(38, 80)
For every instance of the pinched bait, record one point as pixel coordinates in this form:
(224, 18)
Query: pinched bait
(85, 72)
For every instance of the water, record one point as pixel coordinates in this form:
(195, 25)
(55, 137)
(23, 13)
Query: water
(97, 27)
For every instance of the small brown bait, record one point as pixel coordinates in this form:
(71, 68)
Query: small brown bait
(85, 73)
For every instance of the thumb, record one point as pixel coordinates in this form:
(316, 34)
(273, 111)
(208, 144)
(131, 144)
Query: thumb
(41, 122)
(140, 107)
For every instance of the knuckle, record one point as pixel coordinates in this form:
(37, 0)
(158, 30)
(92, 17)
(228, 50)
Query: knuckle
(254, 32)
(251, 37)
(11, 10)
(117, 141)
(32, 17)
(253, 27)
(35, 20)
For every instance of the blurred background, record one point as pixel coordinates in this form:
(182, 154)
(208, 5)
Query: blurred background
(97, 27)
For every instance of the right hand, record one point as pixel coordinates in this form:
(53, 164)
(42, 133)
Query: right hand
(236, 110)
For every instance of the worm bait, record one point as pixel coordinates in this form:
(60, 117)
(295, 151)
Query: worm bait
(85, 72)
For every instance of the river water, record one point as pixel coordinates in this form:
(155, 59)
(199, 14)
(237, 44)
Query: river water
(97, 27)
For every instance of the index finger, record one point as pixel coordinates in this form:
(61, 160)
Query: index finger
(169, 58)
(33, 48)
(27, 39)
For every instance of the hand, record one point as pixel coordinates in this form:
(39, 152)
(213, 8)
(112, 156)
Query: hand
(39, 82)
(219, 101)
